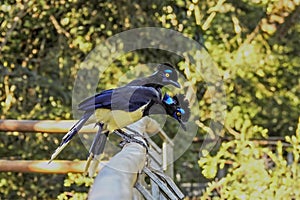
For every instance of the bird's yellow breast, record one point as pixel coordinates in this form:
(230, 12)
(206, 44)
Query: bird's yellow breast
(116, 119)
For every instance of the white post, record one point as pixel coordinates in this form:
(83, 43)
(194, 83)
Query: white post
(117, 178)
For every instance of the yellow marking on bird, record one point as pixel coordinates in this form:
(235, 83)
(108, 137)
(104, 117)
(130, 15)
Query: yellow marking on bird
(116, 119)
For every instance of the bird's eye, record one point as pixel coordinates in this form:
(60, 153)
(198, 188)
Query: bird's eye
(167, 75)
(178, 114)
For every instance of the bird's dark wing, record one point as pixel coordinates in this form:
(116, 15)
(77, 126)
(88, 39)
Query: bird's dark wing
(128, 98)
(100, 100)
(139, 96)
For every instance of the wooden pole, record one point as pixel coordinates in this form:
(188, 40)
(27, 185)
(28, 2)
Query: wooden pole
(42, 166)
(46, 126)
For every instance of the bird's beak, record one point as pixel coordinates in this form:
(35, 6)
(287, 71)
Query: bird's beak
(175, 83)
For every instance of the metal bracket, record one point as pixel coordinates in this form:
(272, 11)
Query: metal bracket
(146, 194)
(127, 138)
(164, 182)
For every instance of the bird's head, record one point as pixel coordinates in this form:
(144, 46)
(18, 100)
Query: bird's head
(178, 108)
(167, 75)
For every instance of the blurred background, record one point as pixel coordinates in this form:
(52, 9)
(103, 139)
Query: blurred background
(255, 44)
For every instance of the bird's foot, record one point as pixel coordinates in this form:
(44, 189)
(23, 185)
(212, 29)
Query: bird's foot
(128, 138)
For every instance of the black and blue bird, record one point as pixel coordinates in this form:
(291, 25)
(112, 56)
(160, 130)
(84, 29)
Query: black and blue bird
(165, 75)
(176, 107)
(116, 108)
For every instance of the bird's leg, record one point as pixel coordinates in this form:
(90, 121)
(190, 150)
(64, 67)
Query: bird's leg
(96, 150)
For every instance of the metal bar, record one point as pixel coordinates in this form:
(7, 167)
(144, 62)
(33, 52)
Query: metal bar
(164, 156)
(156, 157)
(170, 183)
(143, 191)
(270, 141)
(154, 189)
(165, 136)
(160, 184)
(153, 145)
(167, 159)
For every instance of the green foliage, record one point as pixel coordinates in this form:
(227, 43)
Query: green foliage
(77, 186)
(254, 44)
(254, 171)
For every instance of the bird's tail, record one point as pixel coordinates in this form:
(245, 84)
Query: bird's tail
(67, 138)
(96, 151)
